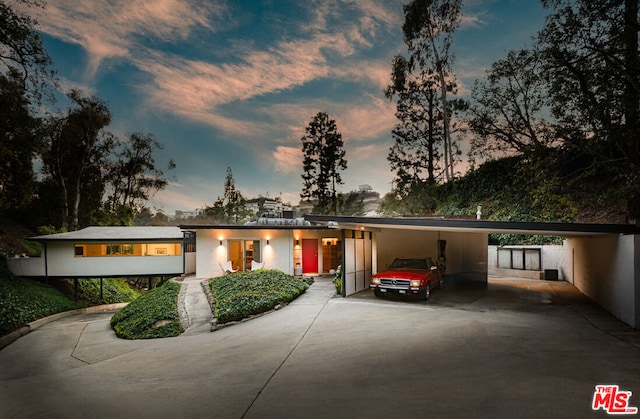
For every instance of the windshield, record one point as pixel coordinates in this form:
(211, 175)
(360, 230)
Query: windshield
(410, 264)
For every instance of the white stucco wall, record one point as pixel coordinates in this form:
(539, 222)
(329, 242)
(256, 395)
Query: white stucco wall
(466, 253)
(27, 267)
(606, 270)
(210, 254)
(281, 253)
(190, 263)
(553, 257)
(62, 262)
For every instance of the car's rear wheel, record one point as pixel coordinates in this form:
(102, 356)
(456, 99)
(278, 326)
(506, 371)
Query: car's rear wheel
(426, 293)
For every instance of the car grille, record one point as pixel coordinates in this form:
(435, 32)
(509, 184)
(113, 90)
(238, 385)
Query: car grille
(394, 282)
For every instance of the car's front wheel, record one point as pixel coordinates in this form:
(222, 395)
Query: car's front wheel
(426, 293)
(377, 293)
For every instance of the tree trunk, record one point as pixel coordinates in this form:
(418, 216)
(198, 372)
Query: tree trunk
(448, 155)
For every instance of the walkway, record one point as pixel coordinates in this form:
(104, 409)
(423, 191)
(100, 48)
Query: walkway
(194, 307)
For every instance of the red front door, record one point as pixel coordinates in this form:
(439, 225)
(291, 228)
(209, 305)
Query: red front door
(309, 256)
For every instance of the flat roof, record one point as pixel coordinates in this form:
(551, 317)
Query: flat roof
(470, 225)
(99, 233)
(252, 227)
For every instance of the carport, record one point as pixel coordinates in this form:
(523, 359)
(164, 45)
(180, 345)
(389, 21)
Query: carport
(601, 260)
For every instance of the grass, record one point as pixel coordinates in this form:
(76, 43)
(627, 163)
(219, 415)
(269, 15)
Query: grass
(23, 301)
(243, 294)
(153, 315)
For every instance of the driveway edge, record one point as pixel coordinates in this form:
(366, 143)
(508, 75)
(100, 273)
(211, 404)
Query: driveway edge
(7, 340)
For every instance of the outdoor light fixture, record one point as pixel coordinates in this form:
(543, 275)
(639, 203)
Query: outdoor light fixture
(221, 242)
(297, 242)
(267, 242)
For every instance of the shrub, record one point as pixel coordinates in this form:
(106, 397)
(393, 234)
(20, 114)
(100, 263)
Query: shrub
(153, 315)
(243, 294)
(114, 290)
(23, 301)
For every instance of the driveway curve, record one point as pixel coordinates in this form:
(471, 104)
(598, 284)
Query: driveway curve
(508, 351)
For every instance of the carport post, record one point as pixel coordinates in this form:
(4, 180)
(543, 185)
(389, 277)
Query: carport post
(75, 289)
(100, 289)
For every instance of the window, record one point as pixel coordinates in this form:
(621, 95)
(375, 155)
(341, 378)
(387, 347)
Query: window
(243, 252)
(127, 249)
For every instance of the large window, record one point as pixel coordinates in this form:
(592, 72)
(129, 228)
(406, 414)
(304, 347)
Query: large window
(243, 252)
(331, 253)
(127, 249)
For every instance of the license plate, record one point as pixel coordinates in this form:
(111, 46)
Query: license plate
(383, 290)
(402, 292)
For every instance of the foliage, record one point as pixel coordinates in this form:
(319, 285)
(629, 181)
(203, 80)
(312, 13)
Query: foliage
(138, 320)
(20, 140)
(322, 147)
(337, 280)
(506, 112)
(243, 294)
(76, 153)
(229, 208)
(114, 290)
(133, 177)
(23, 301)
(22, 53)
(421, 83)
(592, 64)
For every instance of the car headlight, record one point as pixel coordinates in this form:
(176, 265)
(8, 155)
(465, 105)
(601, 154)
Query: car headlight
(375, 281)
(415, 283)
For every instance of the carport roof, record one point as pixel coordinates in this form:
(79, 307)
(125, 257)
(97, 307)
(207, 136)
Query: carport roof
(467, 225)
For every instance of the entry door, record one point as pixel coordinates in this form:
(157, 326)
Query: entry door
(309, 256)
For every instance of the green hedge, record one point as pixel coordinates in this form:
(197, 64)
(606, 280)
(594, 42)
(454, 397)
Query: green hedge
(137, 320)
(243, 294)
(23, 301)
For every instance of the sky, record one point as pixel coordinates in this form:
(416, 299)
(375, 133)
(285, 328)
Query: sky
(234, 83)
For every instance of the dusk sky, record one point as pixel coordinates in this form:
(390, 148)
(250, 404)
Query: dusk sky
(234, 83)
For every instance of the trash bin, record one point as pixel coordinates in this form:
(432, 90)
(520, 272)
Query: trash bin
(551, 274)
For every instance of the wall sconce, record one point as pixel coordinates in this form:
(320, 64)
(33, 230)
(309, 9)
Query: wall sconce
(267, 242)
(220, 242)
(297, 242)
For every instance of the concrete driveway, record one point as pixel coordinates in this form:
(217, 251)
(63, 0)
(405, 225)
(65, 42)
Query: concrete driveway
(525, 349)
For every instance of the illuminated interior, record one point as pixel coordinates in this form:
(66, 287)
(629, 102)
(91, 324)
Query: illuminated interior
(128, 249)
(242, 252)
(331, 253)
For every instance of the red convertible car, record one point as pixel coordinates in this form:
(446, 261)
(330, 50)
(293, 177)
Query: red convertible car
(409, 277)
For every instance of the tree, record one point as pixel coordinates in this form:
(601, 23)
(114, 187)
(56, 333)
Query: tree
(593, 64)
(428, 29)
(20, 141)
(233, 201)
(419, 132)
(76, 154)
(24, 70)
(506, 111)
(323, 159)
(133, 177)
(22, 53)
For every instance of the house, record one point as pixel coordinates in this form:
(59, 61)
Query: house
(601, 260)
(110, 252)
